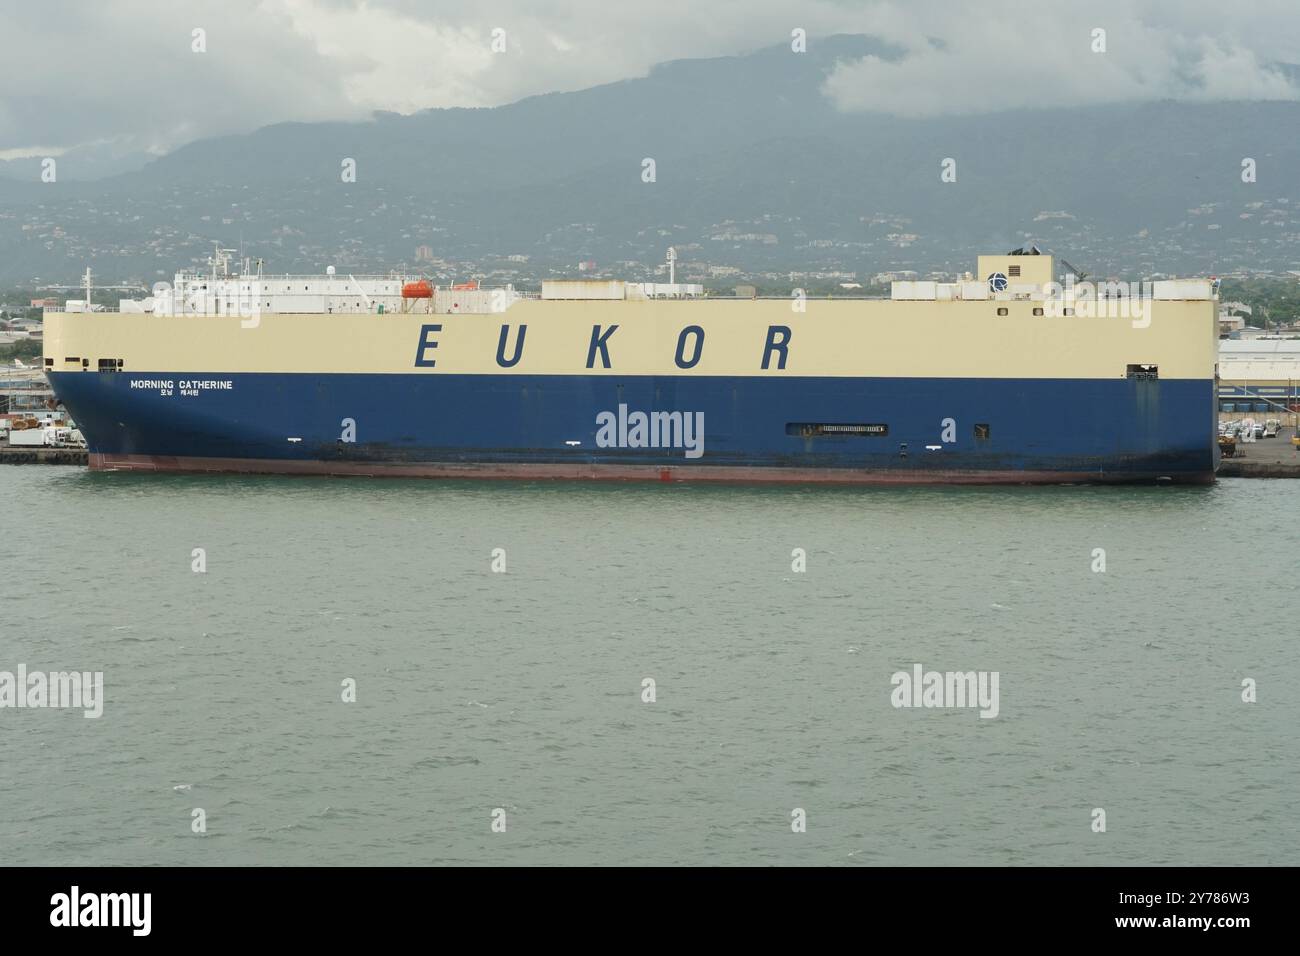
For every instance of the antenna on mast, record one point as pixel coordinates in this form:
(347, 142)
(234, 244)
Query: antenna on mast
(220, 260)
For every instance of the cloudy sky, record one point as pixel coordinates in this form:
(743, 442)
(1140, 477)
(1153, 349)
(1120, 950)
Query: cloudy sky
(122, 74)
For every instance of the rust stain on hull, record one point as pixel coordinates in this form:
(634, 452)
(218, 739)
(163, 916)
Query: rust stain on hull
(631, 472)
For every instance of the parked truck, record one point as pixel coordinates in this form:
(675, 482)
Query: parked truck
(30, 437)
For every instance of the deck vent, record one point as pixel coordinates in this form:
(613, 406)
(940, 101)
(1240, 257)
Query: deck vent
(812, 430)
(807, 429)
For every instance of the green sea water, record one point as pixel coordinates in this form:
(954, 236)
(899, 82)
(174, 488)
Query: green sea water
(519, 696)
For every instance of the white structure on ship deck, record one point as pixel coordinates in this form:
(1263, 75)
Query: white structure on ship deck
(220, 292)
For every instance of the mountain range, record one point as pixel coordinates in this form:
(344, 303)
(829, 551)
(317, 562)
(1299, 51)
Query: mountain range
(756, 173)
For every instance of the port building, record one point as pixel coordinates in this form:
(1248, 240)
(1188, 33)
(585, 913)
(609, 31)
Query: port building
(1259, 375)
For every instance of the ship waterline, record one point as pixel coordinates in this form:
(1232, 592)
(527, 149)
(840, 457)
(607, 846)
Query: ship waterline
(539, 471)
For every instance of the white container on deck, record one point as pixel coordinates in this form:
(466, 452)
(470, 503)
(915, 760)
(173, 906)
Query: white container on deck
(1181, 289)
(905, 289)
(605, 289)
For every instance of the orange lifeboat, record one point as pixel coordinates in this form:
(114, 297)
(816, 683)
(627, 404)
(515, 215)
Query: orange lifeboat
(418, 290)
(465, 286)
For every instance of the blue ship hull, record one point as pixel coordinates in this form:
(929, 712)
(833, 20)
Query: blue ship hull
(754, 429)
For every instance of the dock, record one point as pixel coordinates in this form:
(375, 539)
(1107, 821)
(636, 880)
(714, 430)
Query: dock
(1264, 458)
(1239, 468)
(42, 455)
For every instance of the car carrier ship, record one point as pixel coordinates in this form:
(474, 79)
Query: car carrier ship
(1009, 375)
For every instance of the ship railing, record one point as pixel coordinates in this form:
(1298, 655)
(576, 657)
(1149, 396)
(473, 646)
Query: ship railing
(291, 276)
(533, 296)
(342, 278)
(536, 295)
